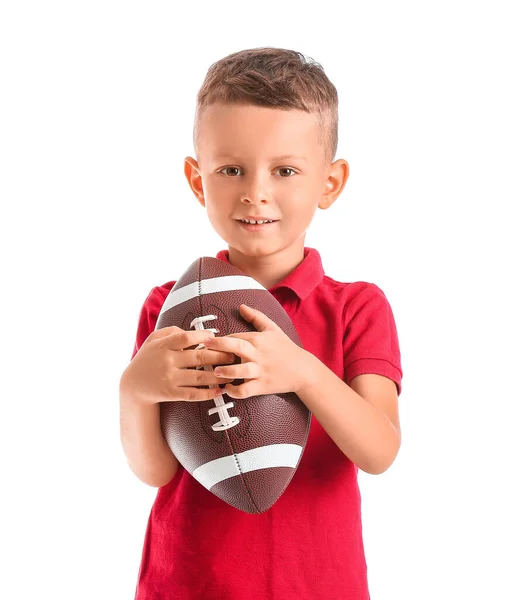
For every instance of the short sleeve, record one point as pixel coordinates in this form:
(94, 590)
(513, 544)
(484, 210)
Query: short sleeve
(370, 341)
(148, 318)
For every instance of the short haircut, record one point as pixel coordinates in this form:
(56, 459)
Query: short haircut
(276, 78)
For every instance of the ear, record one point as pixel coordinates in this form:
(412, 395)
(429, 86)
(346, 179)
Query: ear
(193, 175)
(336, 179)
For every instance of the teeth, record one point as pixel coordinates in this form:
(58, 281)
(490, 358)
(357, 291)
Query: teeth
(256, 222)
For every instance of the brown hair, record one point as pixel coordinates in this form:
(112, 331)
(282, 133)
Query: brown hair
(276, 78)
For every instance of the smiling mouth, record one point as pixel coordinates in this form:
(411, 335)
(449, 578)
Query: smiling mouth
(265, 222)
(256, 226)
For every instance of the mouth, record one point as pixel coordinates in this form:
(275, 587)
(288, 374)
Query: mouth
(257, 226)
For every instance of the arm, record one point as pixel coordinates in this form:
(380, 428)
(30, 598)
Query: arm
(362, 419)
(366, 429)
(147, 452)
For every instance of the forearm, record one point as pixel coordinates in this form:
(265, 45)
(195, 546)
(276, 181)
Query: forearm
(147, 452)
(361, 431)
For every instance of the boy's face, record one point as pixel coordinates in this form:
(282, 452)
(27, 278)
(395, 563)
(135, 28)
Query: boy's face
(261, 162)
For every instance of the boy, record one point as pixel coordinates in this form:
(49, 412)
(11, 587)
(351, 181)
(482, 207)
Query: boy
(265, 136)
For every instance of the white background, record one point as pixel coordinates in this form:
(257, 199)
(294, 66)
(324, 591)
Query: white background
(97, 107)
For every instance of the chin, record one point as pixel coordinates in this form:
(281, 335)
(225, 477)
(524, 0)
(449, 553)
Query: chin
(254, 250)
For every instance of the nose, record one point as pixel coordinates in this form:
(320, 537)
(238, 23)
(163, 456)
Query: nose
(256, 191)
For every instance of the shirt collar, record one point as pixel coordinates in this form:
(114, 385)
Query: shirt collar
(303, 279)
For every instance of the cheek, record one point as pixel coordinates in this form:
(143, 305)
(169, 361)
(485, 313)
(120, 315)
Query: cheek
(214, 206)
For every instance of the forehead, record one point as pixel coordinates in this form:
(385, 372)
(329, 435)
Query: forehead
(226, 129)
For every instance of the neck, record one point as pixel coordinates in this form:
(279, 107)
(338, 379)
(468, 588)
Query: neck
(268, 269)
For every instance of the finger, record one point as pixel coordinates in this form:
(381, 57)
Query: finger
(185, 339)
(194, 394)
(257, 318)
(243, 335)
(244, 390)
(204, 356)
(248, 370)
(163, 332)
(197, 377)
(237, 346)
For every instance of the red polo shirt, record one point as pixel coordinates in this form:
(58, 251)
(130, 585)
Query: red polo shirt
(308, 546)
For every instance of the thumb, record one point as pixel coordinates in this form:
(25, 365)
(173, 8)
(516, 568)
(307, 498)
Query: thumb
(257, 318)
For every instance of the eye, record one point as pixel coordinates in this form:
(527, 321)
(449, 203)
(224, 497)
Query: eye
(225, 169)
(286, 169)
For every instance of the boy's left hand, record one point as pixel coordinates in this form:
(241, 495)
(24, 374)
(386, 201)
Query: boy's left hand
(271, 362)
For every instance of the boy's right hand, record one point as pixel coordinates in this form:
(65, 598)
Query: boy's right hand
(164, 371)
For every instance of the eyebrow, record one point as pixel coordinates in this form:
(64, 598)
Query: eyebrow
(273, 159)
